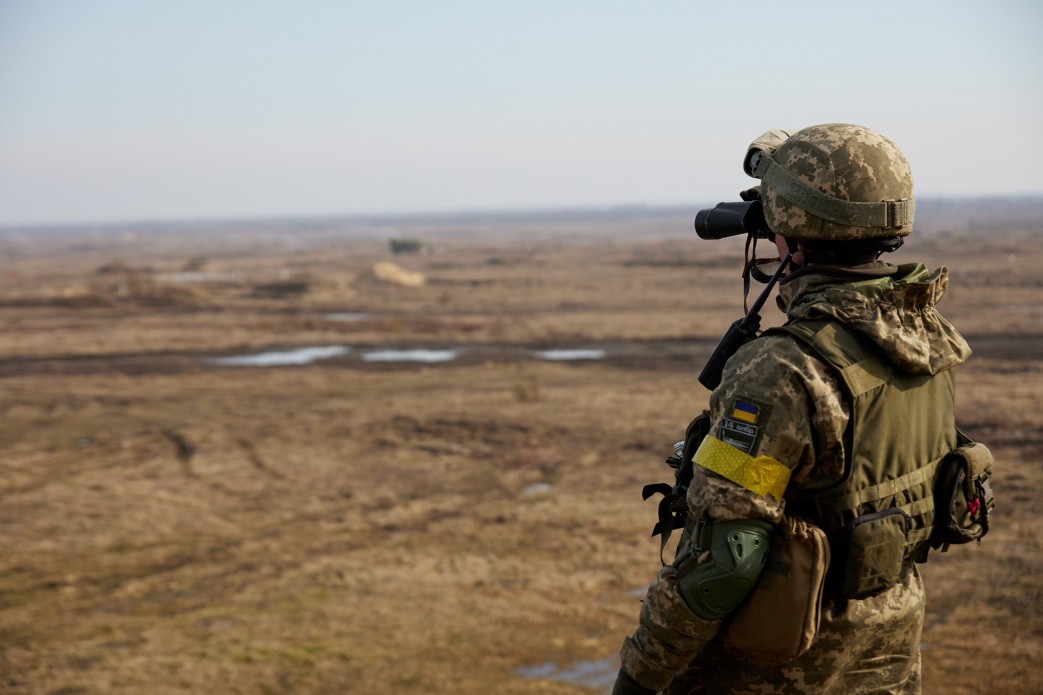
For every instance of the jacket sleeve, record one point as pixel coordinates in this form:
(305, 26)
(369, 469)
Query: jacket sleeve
(766, 408)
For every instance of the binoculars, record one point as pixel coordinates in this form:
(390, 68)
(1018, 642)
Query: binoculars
(731, 219)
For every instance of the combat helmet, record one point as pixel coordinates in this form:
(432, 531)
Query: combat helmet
(832, 183)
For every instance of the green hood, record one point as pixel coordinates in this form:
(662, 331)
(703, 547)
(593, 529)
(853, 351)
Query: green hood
(893, 307)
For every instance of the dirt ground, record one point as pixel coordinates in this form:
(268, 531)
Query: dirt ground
(169, 524)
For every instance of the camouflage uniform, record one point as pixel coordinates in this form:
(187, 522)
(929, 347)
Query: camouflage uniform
(863, 646)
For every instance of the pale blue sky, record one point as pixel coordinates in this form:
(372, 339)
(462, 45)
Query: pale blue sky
(117, 110)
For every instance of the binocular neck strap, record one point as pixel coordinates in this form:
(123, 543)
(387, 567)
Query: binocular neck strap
(751, 269)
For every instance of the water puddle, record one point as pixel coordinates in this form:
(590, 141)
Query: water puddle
(599, 674)
(536, 489)
(346, 316)
(429, 356)
(191, 278)
(567, 355)
(285, 357)
(366, 353)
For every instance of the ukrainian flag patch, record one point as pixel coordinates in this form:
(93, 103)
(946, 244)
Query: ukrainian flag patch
(745, 411)
(741, 423)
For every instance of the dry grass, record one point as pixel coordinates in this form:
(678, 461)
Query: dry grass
(169, 526)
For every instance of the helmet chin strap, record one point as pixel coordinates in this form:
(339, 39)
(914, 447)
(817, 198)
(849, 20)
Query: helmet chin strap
(751, 268)
(793, 246)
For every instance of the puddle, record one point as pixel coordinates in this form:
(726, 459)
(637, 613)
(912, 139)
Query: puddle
(591, 674)
(346, 316)
(370, 354)
(410, 356)
(536, 489)
(280, 358)
(191, 278)
(566, 355)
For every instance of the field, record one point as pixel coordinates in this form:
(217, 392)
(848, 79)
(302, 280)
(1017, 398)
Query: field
(173, 524)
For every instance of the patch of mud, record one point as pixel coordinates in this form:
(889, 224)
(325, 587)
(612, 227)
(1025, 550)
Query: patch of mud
(348, 316)
(681, 355)
(1022, 347)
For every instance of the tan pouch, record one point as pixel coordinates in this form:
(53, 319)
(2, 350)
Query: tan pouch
(963, 495)
(780, 618)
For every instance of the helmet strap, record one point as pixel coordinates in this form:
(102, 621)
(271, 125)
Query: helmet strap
(886, 214)
(751, 269)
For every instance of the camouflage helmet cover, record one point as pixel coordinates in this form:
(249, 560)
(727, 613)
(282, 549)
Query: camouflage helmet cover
(833, 182)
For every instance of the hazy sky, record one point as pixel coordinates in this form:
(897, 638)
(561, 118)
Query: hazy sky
(115, 110)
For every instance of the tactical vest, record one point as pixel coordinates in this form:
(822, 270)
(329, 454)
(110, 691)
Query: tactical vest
(902, 425)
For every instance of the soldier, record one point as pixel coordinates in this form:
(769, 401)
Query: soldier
(839, 418)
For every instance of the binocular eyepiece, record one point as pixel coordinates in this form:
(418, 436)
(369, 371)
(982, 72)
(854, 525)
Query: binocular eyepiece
(732, 219)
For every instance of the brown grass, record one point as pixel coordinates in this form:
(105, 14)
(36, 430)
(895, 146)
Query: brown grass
(169, 526)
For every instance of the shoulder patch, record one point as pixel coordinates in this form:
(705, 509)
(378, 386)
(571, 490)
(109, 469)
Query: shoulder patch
(741, 423)
(745, 411)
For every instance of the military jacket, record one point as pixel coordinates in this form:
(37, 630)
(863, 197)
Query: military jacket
(780, 401)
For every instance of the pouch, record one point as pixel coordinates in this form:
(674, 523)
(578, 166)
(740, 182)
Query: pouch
(963, 496)
(780, 618)
(874, 553)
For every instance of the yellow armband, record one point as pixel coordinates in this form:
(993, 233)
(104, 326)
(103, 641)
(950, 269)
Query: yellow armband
(762, 475)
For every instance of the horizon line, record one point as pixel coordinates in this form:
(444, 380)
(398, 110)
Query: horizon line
(434, 215)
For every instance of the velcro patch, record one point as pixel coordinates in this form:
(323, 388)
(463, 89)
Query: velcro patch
(740, 435)
(741, 425)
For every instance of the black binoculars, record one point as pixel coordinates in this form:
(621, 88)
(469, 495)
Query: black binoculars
(731, 219)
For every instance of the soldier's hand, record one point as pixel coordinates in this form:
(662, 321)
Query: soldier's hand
(751, 194)
(625, 685)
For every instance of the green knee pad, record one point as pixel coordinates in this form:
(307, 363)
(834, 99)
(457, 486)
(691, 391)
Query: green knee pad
(738, 552)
